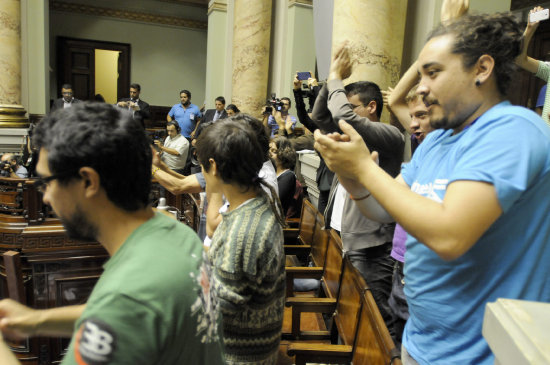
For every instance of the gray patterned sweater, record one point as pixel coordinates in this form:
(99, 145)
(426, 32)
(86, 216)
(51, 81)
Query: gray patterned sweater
(249, 278)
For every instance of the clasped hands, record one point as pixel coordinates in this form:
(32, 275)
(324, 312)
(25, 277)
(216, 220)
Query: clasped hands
(346, 155)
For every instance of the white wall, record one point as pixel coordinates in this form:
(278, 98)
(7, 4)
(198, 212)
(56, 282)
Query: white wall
(164, 59)
(424, 15)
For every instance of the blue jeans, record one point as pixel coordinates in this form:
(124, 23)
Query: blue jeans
(376, 266)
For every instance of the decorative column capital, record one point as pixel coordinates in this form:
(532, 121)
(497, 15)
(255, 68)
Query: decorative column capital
(219, 5)
(304, 3)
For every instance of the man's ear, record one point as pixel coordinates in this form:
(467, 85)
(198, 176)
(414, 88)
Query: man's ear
(484, 68)
(371, 107)
(91, 181)
(213, 166)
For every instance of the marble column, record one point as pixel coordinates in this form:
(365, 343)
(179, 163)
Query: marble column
(375, 32)
(12, 113)
(251, 43)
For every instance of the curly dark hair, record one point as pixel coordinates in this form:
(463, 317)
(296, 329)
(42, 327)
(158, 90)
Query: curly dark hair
(497, 35)
(286, 154)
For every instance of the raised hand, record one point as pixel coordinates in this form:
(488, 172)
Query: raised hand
(453, 9)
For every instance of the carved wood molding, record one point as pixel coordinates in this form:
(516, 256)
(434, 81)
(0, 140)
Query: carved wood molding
(196, 3)
(128, 15)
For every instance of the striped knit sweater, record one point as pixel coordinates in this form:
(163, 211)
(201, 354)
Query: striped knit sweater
(249, 278)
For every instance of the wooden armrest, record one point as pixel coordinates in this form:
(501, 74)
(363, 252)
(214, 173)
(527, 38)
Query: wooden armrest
(300, 272)
(311, 305)
(293, 222)
(304, 272)
(297, 249)
(318, 352)
(291, 232)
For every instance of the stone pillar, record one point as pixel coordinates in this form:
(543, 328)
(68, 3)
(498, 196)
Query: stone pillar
(12, 113)
(375, 32)
(216, 51)
(251, 42)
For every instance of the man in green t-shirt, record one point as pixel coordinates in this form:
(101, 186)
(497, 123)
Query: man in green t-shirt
(152, 304)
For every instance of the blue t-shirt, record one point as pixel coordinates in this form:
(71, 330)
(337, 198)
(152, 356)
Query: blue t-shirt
(272, 123)
(507, 147)
(186, 118)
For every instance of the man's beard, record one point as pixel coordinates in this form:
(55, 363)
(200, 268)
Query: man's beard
(445, 123)
(186, 103)
(78, 227)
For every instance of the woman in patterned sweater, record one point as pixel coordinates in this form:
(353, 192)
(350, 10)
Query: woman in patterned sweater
(247, 247)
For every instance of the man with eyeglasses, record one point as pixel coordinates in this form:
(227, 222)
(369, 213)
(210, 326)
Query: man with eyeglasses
(367, 243)
(280, 121)
(67, 100)
(152, 304)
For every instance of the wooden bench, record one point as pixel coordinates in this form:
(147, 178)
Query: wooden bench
(363, 335)
(344, 310)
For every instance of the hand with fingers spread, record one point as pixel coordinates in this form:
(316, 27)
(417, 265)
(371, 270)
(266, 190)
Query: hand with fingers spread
(341, 65)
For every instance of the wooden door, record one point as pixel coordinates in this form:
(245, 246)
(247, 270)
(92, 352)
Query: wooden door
(76, 66)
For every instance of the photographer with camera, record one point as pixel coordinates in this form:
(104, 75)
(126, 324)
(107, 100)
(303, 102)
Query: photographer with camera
(11, 167)
(275, 116)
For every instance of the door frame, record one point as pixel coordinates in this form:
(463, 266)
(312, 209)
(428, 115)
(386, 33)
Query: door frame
(65, 73)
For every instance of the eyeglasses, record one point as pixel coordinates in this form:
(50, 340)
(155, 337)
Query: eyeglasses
(353, 107)
(67, 93)
(42, 182)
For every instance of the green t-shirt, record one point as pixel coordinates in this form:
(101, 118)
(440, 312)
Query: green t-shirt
(152, 304)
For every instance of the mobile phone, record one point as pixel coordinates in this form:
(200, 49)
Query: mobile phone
(304, 75)
(537, 16)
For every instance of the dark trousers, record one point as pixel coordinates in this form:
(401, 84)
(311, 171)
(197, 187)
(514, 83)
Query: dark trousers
(398, 303)
(376, 266)
(323, 200)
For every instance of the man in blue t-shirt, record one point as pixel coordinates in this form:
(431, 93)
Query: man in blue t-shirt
(474, 198)
(185, 113)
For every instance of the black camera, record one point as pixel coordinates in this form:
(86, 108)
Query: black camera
(274, 102)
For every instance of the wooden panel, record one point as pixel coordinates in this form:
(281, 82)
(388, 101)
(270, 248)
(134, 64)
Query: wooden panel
(158, 117)
(333, 266)
(349, 304)
(307, 222)
(319, 245)
(373, 344)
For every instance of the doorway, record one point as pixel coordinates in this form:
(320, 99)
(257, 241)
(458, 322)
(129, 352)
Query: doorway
(94, 67)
